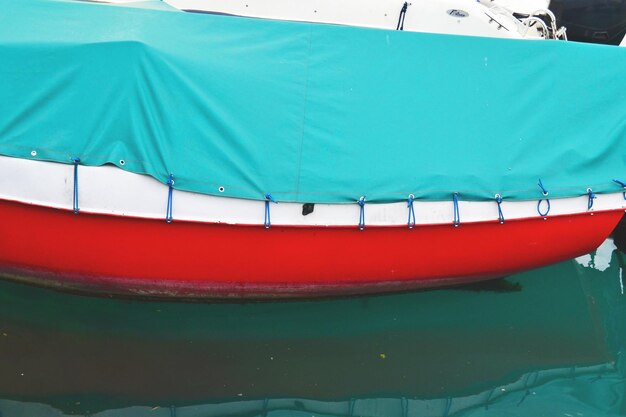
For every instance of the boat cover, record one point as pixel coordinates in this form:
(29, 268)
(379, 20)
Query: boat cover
(308, 112)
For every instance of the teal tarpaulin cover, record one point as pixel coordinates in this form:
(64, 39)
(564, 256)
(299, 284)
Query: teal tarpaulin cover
(308, 112)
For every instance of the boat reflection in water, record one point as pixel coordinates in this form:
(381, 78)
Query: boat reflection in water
(546, 342)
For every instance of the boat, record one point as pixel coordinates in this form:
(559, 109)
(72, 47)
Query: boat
(162, 153)
(491, 18)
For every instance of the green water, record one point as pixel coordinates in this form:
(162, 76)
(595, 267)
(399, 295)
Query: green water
(549, 342)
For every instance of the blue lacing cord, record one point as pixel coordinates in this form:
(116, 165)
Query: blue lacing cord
(170, 203)
(543, 189)
(411, 221)
(623, 184)
(267, 223)
(456, 221)
(545, 194)
(361, 213)
(498, 198)
(76, 161)
(591, 195)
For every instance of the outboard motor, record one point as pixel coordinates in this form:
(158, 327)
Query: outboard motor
(597, 21)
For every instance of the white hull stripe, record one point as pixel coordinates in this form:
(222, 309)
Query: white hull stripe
(110, 190)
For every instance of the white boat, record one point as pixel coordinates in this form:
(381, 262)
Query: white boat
(490, 18)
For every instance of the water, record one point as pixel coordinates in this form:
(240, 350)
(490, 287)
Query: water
(549, 342)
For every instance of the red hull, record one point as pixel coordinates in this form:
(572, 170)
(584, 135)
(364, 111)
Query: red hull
(123, 255)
